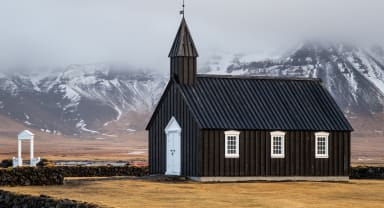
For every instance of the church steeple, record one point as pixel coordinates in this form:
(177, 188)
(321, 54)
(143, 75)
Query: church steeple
(183, 56)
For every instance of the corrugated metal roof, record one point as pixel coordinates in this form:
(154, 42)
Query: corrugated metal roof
(228, 102)
(183, 44)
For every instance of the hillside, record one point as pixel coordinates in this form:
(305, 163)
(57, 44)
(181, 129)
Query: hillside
(80, 99)
(105, 99)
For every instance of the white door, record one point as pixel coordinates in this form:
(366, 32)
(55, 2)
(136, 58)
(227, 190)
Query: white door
(173, 153)
(173, 134)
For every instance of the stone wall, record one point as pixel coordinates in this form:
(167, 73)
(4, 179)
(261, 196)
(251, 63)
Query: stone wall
(27, 176)
(30, 176)
(364, 172)
(102, 171)
(55, 175)
(8, 199)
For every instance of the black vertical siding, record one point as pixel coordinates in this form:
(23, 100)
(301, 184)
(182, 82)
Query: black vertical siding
(173, 104)
(255, 157)
(184, 69)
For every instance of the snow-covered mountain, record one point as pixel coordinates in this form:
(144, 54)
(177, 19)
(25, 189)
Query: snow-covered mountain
(90, 98)
(354, 76)
(82, 98)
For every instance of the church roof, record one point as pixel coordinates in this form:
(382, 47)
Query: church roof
(267, 103)
(183, 45)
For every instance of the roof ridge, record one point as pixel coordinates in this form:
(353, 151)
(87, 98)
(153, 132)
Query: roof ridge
(256, 77)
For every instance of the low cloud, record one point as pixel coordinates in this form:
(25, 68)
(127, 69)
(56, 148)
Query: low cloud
(58, 33)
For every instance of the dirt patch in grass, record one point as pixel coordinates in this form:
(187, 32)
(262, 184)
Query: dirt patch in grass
(128, 192)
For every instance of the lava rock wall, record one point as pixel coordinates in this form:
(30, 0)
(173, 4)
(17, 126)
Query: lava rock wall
(27, 176)
(8, 199)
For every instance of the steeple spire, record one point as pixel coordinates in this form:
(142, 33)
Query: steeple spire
(183, 56)
(183, 44)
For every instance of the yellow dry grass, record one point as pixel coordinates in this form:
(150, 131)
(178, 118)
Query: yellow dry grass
(124, 192)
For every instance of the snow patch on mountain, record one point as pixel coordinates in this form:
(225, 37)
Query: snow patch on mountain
(81, 98)
(83, 126)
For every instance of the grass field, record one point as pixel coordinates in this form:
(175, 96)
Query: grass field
(125, 192)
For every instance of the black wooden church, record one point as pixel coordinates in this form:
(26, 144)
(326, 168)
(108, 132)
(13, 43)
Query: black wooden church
(232, 128)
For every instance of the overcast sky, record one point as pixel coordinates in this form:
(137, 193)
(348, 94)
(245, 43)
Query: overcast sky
(140, 32)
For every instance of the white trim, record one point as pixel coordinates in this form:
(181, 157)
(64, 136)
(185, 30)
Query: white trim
(322, 133)
(282, 135)
(172, 126)
(326, 136)
(277, 133)
(235, 134)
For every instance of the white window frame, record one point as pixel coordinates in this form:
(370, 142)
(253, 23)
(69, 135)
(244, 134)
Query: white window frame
(322, 135)
(235, 134)
(282, 135)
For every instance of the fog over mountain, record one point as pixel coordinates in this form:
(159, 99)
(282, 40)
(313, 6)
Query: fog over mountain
(44, 33)
(73, 67)
(94, 98)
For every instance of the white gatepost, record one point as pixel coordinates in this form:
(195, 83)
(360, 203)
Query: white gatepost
(18, 162)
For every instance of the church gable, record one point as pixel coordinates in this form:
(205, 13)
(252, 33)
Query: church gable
(172, 103)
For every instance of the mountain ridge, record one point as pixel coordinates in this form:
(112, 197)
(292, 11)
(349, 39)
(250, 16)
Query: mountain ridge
(82, 98)
(348, 73)
(94, 99)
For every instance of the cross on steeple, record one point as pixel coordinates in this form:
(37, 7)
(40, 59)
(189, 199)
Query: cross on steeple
(182, 12)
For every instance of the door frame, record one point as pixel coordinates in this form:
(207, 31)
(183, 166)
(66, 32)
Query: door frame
(173, 128)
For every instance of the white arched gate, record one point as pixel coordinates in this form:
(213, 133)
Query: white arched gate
(25, 135)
